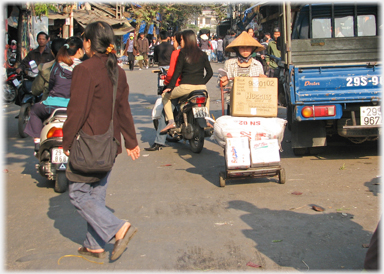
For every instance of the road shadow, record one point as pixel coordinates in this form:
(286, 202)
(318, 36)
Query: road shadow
(318, 241)
(68, 221)
(374, 186)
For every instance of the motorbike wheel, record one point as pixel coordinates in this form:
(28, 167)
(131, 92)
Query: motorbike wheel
(197, 142)
(61, 182)
(23, 119)
(9, 94)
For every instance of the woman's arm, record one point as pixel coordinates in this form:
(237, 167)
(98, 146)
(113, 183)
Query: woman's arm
(172, 66)
(178, 70)
(79, 104)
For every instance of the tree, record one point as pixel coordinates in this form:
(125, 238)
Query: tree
(173, 16)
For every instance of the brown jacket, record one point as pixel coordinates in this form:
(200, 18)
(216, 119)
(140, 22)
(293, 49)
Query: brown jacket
(90, 105)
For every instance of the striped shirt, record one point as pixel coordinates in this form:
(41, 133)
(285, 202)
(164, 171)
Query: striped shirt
(233, 69)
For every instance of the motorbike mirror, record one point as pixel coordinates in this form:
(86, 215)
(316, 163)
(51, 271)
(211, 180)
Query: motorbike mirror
(33, 66)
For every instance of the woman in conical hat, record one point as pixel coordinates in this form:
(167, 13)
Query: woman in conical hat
(243, 65)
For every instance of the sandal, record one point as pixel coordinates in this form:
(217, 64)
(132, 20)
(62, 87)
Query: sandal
(121, 244)
(84, 251)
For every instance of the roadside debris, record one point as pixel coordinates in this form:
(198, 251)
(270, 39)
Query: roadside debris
(317, 208)
(296, 193)
(253, 265)
(277, 241)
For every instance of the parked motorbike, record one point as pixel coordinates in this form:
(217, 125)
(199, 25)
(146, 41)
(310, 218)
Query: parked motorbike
(52, 160)
(25, 99)
(151, 57)
(11, 55)
(10, 85)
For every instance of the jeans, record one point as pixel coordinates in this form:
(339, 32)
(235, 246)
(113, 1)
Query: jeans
(145, 60)
(89, 200)
(161, 138)
(220, 56)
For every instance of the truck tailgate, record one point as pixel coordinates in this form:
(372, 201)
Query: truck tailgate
(342, 84)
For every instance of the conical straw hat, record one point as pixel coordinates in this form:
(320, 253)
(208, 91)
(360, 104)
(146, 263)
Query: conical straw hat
(244, 40)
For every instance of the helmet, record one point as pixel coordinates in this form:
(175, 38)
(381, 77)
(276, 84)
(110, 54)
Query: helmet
(244, 40)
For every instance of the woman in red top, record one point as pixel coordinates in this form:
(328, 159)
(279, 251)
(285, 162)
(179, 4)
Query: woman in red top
(161, 138)
(175, 54)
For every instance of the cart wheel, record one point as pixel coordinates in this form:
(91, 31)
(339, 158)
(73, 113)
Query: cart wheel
(222, 179)
(282, 176)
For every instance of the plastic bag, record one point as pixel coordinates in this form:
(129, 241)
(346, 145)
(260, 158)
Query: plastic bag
(157, 109)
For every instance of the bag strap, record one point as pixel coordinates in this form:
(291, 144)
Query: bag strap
(115, 91)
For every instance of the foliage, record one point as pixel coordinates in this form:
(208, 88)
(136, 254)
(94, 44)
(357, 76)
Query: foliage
(42, 9)
(174, 16)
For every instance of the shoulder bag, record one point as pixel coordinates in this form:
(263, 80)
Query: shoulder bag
(97, 153)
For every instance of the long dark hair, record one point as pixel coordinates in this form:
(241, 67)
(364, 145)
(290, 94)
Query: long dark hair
(178, 37)
(102, 36)
(71, 46)
(192, 51)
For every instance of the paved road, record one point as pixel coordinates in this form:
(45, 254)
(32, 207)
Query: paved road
(185, 220)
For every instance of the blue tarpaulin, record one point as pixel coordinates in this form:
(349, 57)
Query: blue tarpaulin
(142, 26)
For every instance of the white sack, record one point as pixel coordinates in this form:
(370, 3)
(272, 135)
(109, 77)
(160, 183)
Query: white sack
(255, 128)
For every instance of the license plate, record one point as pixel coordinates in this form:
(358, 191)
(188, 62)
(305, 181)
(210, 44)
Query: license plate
(16, 82)
(161, 83)
(370, 116)
(200, 112)
(58, 156)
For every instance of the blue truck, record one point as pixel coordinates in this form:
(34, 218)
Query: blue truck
(330, 70)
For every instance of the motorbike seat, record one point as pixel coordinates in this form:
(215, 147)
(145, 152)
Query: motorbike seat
(184, 98)
(58, 114)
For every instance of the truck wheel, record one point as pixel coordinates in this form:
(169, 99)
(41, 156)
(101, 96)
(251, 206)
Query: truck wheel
(300, 151)
(23, 119)
(222, 179)
(282, 176)
(61, 182)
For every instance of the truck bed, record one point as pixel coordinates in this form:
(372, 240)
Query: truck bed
(337, 83)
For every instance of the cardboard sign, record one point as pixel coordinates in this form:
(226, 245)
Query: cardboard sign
(264, 153)
(237, 153)
(254, 97)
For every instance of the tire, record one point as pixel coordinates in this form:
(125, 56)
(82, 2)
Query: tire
(151, 62)
(61, 182)
(197, 142)
(9, 93)
(222, 179)
(300, 151)
(282, 178)
(23, 119)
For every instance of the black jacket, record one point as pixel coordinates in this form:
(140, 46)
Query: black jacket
(162, 54)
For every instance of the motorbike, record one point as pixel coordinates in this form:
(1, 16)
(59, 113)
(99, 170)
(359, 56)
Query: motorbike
(190, 115)
(10, 85)
(52, 160)
(25, 99)
(151, 57)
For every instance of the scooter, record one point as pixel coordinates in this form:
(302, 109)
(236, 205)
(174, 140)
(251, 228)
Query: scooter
(25, 99)
(52, 160)
(151, 57)
(10, 85)
(191, 115)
